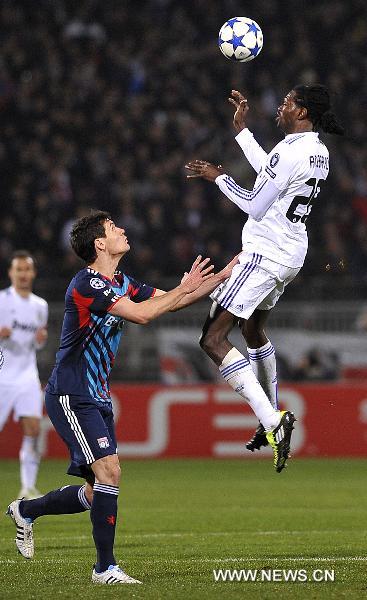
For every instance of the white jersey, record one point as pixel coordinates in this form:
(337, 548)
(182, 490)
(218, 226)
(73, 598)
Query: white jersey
(296, 167)
(23, 316)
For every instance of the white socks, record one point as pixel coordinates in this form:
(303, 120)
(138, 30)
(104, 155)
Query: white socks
(263, 363)
(237, 372)
(29, 457)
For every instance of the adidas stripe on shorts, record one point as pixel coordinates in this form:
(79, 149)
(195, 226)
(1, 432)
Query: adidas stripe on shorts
(255, 282)
(86, 428)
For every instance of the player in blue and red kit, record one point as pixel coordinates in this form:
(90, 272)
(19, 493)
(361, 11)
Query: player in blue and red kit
(78, 399)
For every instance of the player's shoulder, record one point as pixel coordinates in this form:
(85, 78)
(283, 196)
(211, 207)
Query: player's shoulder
(137, 290)
(301, 143)
(38, 301)
(290, 148)
(296, 148)
(321, 146)
(5, 293)
(89, 276)
(295, 139)
(279, 160)
(88, 282)
(281, 150)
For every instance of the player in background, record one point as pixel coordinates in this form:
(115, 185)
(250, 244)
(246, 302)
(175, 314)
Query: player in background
(23, 331)
(274, 246)
(78, 399)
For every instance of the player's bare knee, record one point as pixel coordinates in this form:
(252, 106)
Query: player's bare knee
(256, 340)
(31, 426)
(211, 344)
(255, 336)
(107, 470)
(115, 475)
(206, 342)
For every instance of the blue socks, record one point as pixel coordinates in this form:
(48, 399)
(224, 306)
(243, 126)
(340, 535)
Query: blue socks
(103, 515)
(71, 499)
(66, 500)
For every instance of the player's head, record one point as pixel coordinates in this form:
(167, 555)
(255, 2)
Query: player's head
(97, 234)
(306, 108)
(22, 270)
(316, 100)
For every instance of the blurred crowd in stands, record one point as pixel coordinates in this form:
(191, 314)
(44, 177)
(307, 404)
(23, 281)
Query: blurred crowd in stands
(102, 104)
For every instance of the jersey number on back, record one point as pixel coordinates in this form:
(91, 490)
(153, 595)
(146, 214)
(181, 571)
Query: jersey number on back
(303, 201)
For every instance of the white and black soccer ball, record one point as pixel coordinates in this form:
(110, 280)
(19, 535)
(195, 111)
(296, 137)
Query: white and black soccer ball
(240, 39)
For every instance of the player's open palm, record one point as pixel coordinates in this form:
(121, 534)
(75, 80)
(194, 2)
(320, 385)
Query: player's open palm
(240, 103)
(200, 271)
(204, 169)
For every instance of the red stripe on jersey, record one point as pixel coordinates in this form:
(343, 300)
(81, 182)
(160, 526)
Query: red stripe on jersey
(82, 304)
(132, 291)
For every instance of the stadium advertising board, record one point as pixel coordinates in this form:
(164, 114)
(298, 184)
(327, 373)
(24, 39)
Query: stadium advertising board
(156, 421)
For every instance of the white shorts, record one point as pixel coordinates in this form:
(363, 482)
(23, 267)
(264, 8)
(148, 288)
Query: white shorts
(255, 282)
(25, 400)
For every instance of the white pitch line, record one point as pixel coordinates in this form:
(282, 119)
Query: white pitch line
(180, 534)
(288, 559)
(240, 559)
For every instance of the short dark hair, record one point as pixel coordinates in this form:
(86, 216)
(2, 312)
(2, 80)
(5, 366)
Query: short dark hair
(316, 99)
(21, 254)
(84, 233)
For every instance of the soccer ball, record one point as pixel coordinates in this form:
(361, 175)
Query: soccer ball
(240, 39)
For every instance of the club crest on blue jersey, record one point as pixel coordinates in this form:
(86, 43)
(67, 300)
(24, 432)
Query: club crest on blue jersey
(103, 442)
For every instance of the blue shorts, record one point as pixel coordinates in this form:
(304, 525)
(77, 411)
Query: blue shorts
(86, 428)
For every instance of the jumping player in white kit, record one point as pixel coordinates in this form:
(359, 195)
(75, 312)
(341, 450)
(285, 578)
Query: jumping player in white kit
(23, 331)
(274, 246)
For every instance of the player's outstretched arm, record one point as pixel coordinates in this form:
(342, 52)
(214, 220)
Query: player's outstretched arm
(146, 311)
(255, 202)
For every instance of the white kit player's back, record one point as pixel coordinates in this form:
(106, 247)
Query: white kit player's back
(297, 166)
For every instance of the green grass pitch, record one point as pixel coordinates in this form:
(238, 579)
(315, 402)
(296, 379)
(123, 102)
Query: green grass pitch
(180, 519)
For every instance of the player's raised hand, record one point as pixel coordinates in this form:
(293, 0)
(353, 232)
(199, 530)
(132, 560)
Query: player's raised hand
(204, 169)
(200, 271)
(193, 266)
(240, 103)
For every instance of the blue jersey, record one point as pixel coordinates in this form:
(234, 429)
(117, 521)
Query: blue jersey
(90, 335)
